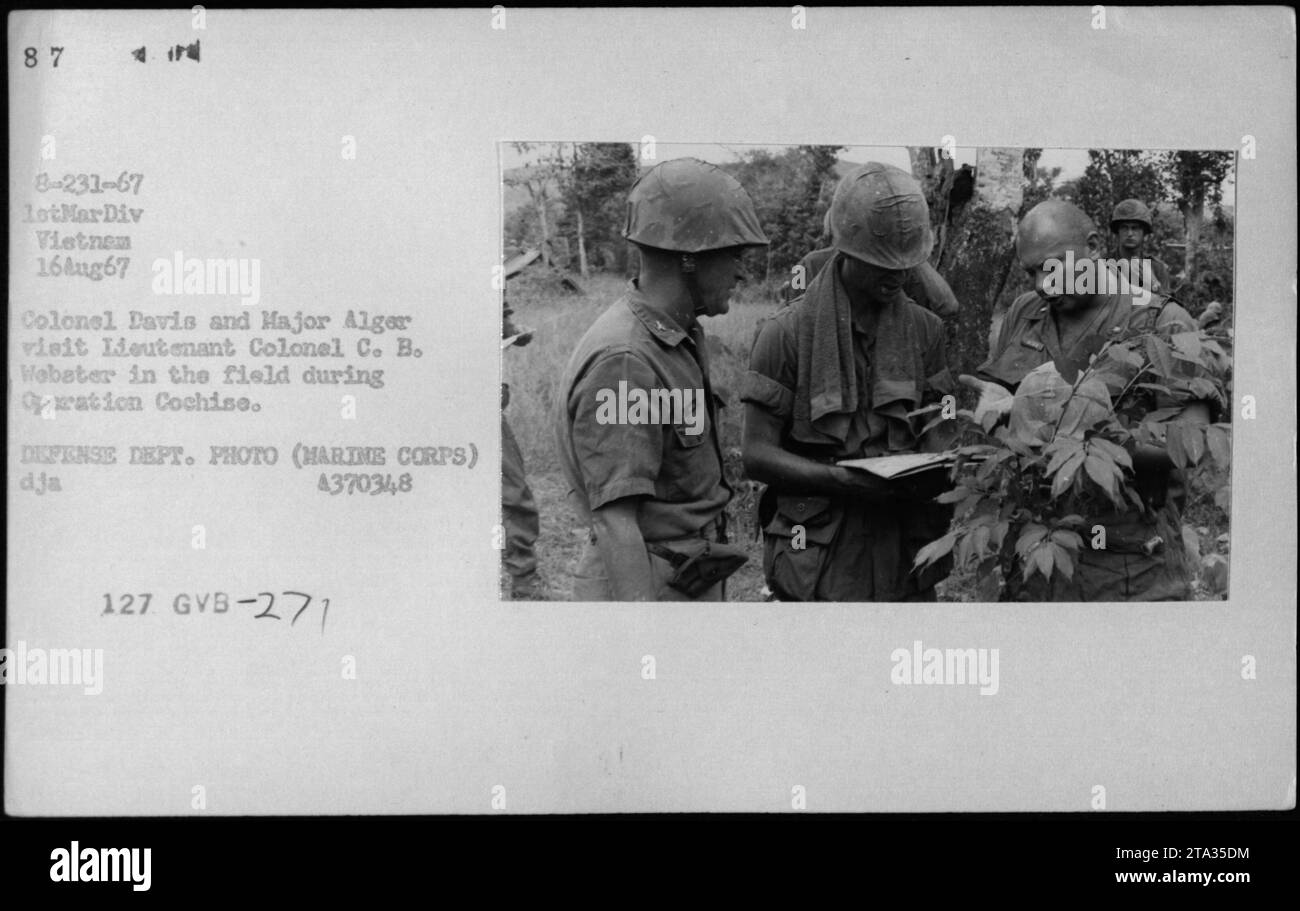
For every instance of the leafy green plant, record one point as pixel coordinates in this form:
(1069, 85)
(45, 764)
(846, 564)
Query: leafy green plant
(1024, 491)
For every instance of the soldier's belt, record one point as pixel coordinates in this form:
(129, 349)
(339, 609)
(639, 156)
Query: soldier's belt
(711, 531)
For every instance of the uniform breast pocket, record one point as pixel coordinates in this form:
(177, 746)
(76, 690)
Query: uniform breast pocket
(689, 469)
(688, 437)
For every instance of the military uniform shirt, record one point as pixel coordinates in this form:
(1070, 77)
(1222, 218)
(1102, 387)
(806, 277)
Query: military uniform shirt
(851, 552)
(1159, 272)
(1029, 337)
(676, 474)
(774, 371)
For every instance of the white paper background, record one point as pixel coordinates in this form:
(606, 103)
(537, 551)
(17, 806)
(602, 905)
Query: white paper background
(456, 692)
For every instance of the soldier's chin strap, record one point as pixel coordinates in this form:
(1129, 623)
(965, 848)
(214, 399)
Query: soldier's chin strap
(692, 284)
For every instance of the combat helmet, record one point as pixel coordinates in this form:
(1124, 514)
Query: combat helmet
(878, 215)
(1131, 210)
(689, 206)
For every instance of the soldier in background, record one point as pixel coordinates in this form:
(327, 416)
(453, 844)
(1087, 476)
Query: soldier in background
(1130, 223)
(518, 507)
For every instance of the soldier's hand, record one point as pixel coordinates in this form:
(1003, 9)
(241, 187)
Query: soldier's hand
(863, 485)
(994, 403)
(1212, 312)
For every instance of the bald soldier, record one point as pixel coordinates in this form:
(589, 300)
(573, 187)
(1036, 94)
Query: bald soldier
(1143, 559)
(636, 425)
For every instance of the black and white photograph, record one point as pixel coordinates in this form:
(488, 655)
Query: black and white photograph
(823, 373)
(430, 423)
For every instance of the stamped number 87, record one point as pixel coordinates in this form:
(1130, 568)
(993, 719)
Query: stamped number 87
(30, 56)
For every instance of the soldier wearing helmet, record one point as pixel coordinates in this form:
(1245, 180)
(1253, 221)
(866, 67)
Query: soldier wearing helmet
(1130, 222)
(836, 375)
(649, 481)
(923, 284)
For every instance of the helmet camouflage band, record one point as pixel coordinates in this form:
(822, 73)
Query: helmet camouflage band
(879, 215)
(689, 206)
(1131, 210)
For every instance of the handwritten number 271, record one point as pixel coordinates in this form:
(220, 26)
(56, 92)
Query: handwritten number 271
(306, 601)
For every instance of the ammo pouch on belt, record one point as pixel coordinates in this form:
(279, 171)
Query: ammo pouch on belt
(797, 534)
(695, 575)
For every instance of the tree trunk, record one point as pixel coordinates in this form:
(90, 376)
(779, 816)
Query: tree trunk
(582, 246)
(934, 171)
(539, 199)
(1193, 219)
(974, 249)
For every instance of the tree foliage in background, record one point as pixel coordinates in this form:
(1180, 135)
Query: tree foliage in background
(1116, 174)
(1041, 182)
(577, 195)
(1199, 249)
(594, 190)
(1197, 180)
(533, 225)
(791, 193)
